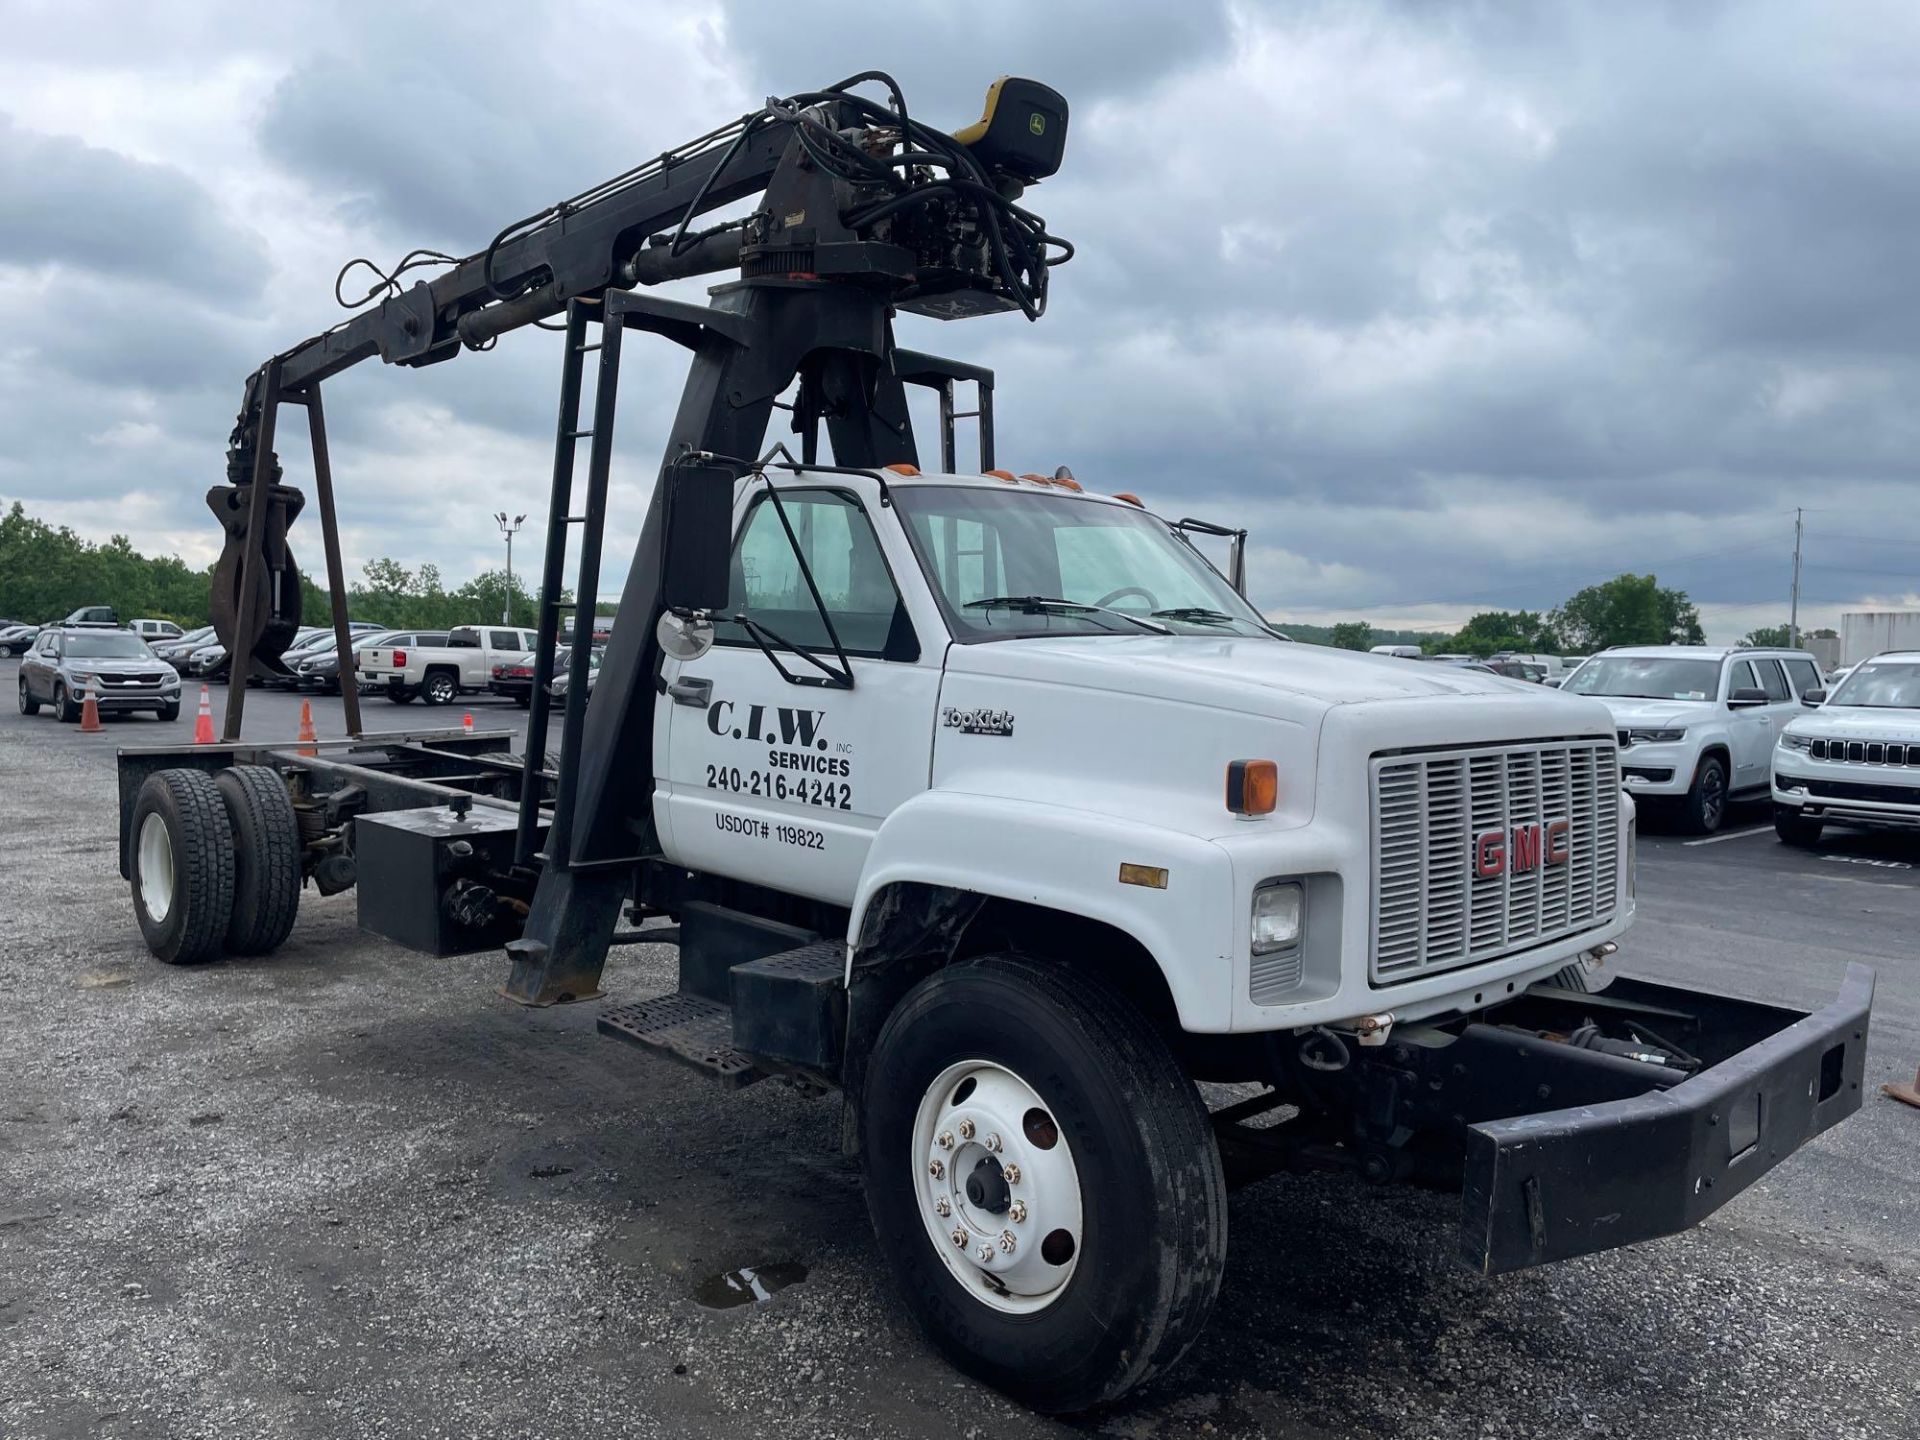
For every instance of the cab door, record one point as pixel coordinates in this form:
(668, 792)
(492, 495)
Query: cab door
(783, 778)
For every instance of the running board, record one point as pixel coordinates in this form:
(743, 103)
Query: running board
(692, 1029)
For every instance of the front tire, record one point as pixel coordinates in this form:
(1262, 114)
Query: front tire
(170, 712)
(64, 708)
(1794, 828)
(181, 863)
(28, 705)
(266, 858)
(1100, 1139)
(1704, 810)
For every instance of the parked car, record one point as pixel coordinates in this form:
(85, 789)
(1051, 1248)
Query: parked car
(18, 639)
(117, 666)
(207, 662)
(307, 645)
(461, 661)
(562, 676)
(1404, 652)
(176, 651)
(322, 672)
(1697, 723)
(1856, 759)
(93, 615)
(152, 630)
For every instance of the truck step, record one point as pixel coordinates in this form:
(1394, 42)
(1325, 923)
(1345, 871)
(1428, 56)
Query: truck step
(792, 1006)
(689, 1028)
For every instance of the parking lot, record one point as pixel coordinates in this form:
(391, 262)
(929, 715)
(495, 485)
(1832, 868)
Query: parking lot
(348, 1190)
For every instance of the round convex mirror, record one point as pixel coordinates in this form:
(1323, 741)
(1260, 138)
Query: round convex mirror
(685, 636)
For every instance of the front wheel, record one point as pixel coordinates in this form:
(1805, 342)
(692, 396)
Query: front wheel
(1044, 1177)
(28, 705)
(65, 708)
(1794, 828)
(1704, 810)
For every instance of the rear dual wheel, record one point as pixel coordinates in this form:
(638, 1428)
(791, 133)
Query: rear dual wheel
(1044, 1176)
(214, 862)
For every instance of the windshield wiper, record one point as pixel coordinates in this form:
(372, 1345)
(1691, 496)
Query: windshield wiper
(1201, 615)
(1040, 604)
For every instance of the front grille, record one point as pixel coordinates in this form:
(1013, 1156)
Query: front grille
(1866, 752)
(140, 679)
(1432, 909)
(1853, 790)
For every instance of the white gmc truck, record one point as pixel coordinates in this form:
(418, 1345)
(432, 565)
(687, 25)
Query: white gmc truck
(990, 802)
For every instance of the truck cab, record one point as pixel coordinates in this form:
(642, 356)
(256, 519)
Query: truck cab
(1046, 694)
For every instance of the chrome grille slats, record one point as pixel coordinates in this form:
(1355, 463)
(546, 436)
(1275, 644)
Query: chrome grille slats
(1432, 910)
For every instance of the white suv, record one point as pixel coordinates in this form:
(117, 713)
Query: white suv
(1855, 760)
(1697, 722)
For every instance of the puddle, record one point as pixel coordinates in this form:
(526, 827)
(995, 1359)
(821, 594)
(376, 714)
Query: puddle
(752, 1285)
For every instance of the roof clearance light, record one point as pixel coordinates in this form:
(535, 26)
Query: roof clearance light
(1130, 499)
(1253, 787)
(900, 467)
(1006, 475)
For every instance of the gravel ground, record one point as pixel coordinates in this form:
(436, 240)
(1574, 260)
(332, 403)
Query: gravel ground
(348, 1191)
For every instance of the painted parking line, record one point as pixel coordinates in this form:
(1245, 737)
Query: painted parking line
(1731, 835)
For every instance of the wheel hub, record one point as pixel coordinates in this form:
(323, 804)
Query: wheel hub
(156, 868)
(998, 1188)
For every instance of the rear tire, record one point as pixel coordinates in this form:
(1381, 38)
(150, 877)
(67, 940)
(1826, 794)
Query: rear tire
(28, 705)
(266, 858)
(181, 864)
(1794, 828)
(1704, 810)
(439, 688)
(1150, 1208)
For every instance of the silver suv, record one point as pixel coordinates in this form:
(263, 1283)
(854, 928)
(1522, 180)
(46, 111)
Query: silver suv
(116, 665)
(1697, 723)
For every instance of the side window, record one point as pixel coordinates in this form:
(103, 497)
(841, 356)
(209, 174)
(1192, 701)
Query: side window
(462, 640)
(1804, 674)
(504, 639)
(432, 639)
(49, 645)
(1772, 681)
(843, 556)
(1740, 676)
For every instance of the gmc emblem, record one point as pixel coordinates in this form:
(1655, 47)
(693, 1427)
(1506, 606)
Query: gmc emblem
(1526, 847)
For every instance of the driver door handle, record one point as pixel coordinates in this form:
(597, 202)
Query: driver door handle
(690, 690)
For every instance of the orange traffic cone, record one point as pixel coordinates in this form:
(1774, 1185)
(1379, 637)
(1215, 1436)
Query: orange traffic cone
(203, 722)
(466, 723)
(90, 713)
(306, 737)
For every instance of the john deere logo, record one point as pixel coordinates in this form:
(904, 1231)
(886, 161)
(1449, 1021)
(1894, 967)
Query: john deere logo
(1037, 123)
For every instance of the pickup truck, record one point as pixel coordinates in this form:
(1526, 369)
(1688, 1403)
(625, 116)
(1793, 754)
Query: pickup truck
(442, 667)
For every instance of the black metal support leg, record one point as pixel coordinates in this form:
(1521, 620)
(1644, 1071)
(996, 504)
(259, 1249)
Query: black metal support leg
(240, 666)
(336, 572)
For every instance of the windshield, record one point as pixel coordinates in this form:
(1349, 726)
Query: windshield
(1646, 677)
(1020, 545)
(113, 645)
(1881, 687)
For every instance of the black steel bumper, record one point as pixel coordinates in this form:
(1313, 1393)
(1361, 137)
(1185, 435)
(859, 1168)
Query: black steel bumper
(1569, 1182)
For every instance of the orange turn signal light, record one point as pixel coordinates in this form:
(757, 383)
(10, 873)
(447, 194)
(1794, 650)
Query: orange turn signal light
(900, 467)
(1253, 787)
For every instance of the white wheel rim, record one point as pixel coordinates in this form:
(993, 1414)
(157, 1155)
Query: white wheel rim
(156, 869)
(1016, 1252)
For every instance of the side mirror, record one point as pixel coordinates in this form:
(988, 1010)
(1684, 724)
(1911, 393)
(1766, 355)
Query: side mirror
(1747, 695)
(1814, 698)
(699, 536)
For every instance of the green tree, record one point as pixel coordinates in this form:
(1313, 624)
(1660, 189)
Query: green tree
(1774, 635)
(1352, 635)
(1627, 610)
(1491, 630)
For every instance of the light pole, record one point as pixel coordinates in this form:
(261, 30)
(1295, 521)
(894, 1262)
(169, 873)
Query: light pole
(508, 528)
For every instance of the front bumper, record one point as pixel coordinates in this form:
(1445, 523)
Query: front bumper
(1664, 770)
(1846, 793)
(1562, 1183)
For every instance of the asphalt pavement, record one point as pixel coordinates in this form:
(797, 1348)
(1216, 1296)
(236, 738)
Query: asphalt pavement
(348, 1191)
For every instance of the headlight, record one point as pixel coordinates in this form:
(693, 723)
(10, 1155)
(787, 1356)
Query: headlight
(1795, 742)
(80, 677)
(1276, 917)
(1657, 737)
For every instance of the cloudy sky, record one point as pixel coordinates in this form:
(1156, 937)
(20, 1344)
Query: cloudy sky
(1458, 306)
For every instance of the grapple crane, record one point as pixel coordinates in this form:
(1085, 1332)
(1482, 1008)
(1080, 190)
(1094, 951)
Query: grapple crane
(864, 211)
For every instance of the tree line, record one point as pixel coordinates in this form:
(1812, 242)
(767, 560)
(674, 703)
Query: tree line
(1626, 610)
(47, 572)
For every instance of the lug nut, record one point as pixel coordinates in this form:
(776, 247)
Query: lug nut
(1012, 1172)
(943, 1207)
(945, 1142)
(986, 1253)
(992, 1142)
(966, 1129)
(1016, 1212)
(1008, 1240)
(960, 1237)
(936, 1169)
